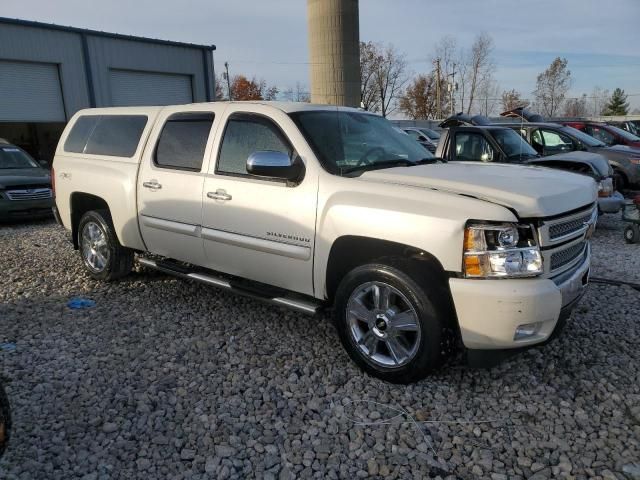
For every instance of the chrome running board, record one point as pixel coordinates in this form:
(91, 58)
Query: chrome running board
(292, 301)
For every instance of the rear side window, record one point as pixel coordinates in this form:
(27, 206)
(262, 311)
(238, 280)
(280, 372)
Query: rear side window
(183, 141)
(244, 135)
(112, 135)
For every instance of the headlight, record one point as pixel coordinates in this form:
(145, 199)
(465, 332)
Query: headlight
(501, 251)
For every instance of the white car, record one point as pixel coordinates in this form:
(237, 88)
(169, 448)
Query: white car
(309, 206)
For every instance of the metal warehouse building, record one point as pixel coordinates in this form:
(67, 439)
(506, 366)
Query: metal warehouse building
(49, 72)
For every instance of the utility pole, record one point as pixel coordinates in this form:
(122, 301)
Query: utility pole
(452, 87)
(438, 104)
(226, 76)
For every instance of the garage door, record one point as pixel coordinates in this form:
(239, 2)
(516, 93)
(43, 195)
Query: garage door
(145, 88)
(30, 92)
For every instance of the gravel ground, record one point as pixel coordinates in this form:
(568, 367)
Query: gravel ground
(166, 379)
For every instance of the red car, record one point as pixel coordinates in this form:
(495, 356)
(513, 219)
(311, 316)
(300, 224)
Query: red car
(607, 134)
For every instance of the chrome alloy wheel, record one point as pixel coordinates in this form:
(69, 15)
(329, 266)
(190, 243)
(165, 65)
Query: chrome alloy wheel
(383, 324)
(95, 250)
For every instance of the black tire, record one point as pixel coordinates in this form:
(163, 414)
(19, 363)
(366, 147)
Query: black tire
(394, 272)
(632, 233)
(118, 259)
(5, 421)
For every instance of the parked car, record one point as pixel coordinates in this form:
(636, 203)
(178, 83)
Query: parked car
(308, 206)
(25, 186)
(422, 138)
(475, 139)
(631, 126)
(550, 138)
(608, 134)
(5, 420)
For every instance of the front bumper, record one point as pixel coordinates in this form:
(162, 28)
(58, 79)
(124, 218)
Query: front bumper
(490, 311)
(11, 210)
(612, 204)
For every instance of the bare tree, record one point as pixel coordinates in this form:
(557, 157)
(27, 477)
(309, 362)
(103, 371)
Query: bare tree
(552, 86)
(598, 100)
(419, 100)
(218, 93)
(390, 78)
(488, 96)
(297, 94)
(512, 99)
(370, 58)
(479, 66)
(576, 107)
(446, 50)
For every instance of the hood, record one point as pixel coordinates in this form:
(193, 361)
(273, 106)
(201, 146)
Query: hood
(15, 177)
(530, 191)
(597, 161)
(628, 149)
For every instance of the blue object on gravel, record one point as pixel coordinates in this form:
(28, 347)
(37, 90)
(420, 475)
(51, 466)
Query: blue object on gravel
(79, 302)
(7, 347)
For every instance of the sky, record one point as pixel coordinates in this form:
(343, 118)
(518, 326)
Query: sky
(268, 38)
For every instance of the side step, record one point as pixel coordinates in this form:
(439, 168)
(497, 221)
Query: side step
(292, 301)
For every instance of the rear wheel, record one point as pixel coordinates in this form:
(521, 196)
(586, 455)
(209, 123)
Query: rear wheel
(388, 323)
(632, 233)
(101, 252)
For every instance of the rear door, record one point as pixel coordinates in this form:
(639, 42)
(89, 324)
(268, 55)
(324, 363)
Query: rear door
(254, 227)
(171, 179)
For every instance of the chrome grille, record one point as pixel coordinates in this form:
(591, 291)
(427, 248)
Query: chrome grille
(29, 194)
(564, 257)
(567, 228)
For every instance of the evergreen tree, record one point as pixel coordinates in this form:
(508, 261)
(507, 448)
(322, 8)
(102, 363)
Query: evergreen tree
(618, 104)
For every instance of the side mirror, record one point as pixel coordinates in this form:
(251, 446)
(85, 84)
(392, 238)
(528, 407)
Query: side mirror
(422, 138)
(267, 163)
(43, 163)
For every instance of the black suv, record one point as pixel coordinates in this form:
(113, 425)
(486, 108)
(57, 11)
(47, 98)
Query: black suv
(475, 138)
(551, 138)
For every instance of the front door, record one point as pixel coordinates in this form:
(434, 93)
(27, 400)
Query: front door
(254, 227)
(170, 185)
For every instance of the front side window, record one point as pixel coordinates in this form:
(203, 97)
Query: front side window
(183, 141)
(350, 141)
(14, 157)
(244, 135)
(600, 134)
(582, 137)
(556, 142)
(473, 147)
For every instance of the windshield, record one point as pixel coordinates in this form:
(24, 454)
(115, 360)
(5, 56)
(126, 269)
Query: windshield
(14, 157)
(344, 141)
(588, 140)
(432, 134)
(624, 134)
(512, 144)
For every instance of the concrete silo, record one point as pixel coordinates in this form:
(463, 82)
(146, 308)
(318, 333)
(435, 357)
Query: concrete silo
(334, 51)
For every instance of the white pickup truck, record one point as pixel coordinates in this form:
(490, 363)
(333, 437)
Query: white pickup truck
(307, 206)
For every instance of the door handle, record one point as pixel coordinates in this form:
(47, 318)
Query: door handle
(153, 185)
(219, 194)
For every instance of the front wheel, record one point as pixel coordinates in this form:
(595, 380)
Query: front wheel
(101, 252)
(388, 323)
(632, 233)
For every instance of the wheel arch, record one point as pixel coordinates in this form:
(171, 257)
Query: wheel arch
(350, 251)
(81, 203)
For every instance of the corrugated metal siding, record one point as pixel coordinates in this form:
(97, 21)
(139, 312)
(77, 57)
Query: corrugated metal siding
(107, 54)
(49, 46)
(30, 92)
(146, 88)
(39, 44)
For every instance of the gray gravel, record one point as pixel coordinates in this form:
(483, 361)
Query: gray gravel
(166, 379)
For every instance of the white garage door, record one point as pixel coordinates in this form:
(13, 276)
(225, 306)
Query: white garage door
(145, 88)
(30, 92)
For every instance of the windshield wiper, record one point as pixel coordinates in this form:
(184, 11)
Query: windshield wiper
(378, 165)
